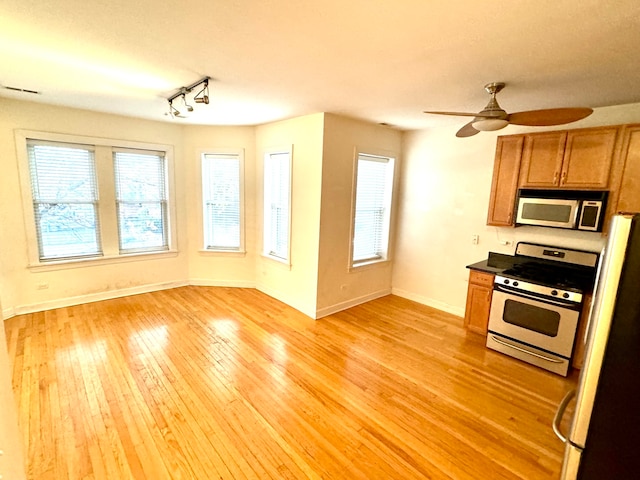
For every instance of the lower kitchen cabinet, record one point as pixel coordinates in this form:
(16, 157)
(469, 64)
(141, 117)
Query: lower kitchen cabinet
(476, 315)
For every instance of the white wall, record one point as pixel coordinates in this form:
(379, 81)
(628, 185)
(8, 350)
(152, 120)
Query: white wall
(338, 287)
(445, 186)
(19, 284)
(11, 461)
(295, 285)
(214, 268)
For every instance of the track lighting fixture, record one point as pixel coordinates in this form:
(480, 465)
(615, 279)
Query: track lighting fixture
(201, 97)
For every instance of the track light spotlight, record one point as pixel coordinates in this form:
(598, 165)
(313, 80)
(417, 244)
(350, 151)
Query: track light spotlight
(173, 111)
(204, 92)
(188, 107)
(201, 97)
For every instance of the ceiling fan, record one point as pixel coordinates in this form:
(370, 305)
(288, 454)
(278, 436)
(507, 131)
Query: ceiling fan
(493, 117)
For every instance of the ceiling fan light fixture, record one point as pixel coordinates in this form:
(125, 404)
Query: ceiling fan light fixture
(489, 124)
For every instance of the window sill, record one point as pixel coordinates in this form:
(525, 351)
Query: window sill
(222, 253)
(369, 264)
(97, 261)
(284, 263)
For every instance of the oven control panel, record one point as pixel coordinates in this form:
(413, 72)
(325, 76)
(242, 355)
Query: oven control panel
(517, 285)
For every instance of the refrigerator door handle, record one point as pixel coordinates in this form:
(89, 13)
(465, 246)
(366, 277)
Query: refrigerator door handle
(560, 413)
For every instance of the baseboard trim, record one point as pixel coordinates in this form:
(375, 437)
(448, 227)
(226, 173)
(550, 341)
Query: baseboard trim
(8, 313)
(203, 282)
(96, 297)
(338, 307)
(283, 298)
(429, 302)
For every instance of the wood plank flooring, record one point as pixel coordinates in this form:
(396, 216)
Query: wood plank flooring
(207, 383)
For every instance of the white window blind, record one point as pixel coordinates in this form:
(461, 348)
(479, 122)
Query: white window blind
(65, 199)
(372, 211)
(221, 201)
(277, 207)
(141, 199)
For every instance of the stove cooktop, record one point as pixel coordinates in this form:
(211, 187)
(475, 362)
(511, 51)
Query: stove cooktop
(568, 269)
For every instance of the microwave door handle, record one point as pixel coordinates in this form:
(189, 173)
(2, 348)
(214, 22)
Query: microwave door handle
(532, 297)
(560, 413)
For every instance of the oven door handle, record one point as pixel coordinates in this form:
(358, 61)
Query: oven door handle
(524, 350)
(500, 288)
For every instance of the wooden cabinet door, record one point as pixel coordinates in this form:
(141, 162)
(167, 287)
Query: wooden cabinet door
(587, 158)
(504, 186)
(476, 315)
(542, 159)
(629, 195)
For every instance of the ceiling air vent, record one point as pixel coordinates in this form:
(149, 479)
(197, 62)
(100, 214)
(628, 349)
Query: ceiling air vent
(22, 90)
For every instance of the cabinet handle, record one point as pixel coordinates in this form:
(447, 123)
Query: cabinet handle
(509, 218)
(555, 177)
(563, 178)
(489, 295)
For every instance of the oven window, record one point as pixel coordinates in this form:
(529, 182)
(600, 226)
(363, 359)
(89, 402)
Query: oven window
(531, 317)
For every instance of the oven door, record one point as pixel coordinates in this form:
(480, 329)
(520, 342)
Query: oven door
(546, 324)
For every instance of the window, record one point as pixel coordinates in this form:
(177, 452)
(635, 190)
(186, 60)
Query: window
(371, 219)
(141, 199)
(277, 204)
(65, 200)
(93, 198)
(221, 201)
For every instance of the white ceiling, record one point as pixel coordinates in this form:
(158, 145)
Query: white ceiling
(379, 60)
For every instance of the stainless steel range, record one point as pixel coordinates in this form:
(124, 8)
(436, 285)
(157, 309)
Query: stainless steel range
(536, 304)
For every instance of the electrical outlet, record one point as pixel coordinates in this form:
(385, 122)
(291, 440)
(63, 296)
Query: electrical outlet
(475, 239)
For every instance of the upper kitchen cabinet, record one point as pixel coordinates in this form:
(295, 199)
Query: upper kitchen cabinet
(629, 193)
(504, 186)
(574, 159)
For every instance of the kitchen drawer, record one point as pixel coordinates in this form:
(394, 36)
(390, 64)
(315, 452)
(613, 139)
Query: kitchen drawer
(481, 278)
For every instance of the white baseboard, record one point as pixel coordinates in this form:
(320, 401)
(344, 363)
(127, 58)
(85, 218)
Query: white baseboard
(338, 307)
(283, 298)
(203, 282)
(429, 302)
(315, 314)
(7, 313)
(96, 297)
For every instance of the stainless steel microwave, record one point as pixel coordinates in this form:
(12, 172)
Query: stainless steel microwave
(576, 210)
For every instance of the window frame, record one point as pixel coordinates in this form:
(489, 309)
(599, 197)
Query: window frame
(239, 152)
(389, 196)
(163, 201)
(267, 211)
(107, 209)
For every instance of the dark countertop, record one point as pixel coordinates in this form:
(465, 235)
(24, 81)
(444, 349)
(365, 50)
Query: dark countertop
(496, 263)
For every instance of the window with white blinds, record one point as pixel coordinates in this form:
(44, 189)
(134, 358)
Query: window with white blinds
(141, 199)
(374, 184)
(277, 205)
(221, 201)
(91, 199)
(65, 200)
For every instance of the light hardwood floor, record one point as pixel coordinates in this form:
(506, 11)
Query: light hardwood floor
(207, 383)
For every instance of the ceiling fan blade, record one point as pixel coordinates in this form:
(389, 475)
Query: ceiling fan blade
(550, 116)
(457, 114)
(467, 130)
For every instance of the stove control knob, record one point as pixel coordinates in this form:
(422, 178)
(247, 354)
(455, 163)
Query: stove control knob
(554, 292)
(565, 295)
(515, 284)
(506, 281)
